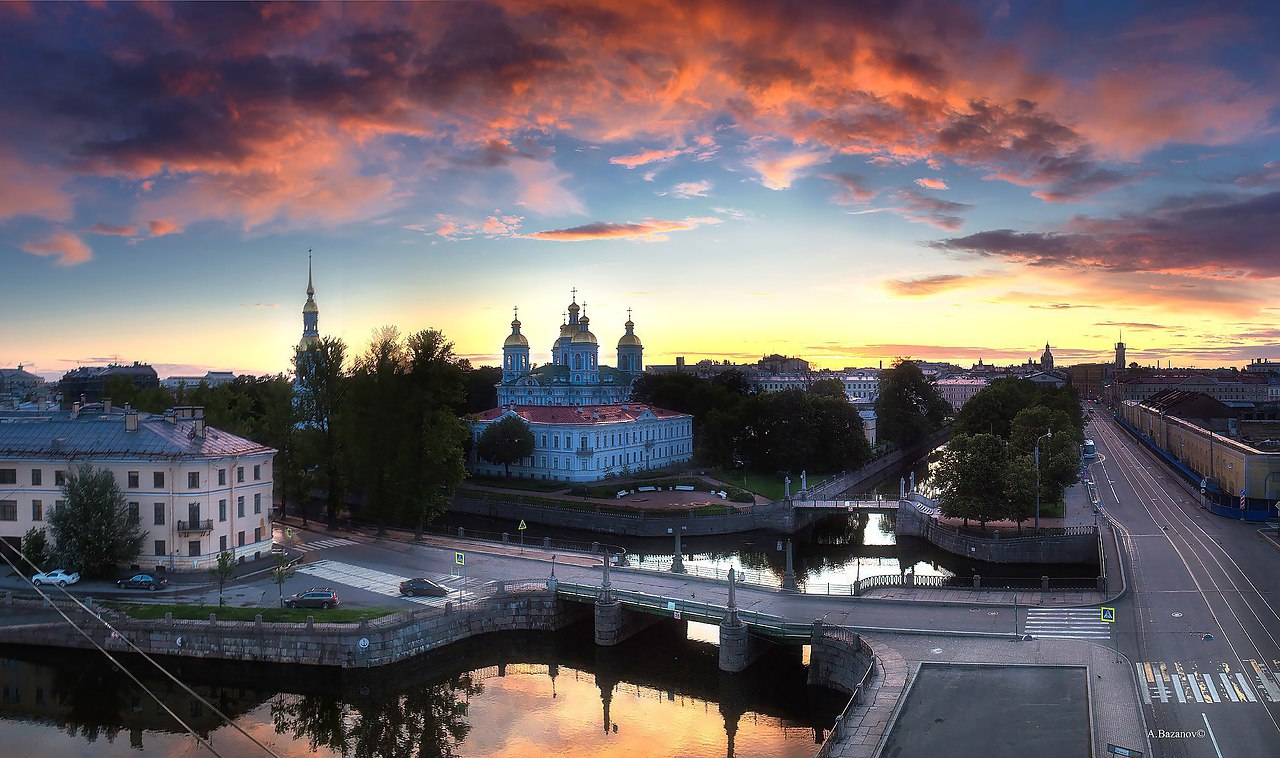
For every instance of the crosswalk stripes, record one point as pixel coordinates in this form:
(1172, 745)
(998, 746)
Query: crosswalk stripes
(1067, 623)
(307, 547)
(382, 583)
(1255, 682)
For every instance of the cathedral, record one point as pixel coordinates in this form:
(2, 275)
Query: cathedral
(310, 325)
(574, 376)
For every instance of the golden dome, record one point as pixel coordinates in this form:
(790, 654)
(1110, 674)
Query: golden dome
(516, 340)
(567, 331)
(629, 340)
(584, 337)
(310, 307)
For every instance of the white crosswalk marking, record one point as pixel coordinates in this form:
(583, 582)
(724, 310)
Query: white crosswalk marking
(1227, 688)
(1067, 623)
(307, 547)
(387, 584)
(1266, 679)
(1177, 687)
(1248, 693)
(1185, 683)
(1194, 685)
(1213, 691)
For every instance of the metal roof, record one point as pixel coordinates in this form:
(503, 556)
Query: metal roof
(98, 435)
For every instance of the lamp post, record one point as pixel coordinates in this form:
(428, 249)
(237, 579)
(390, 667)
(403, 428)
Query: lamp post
(1048, 434)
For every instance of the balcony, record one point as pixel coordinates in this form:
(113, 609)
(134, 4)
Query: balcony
(585, 450)
(194, 527)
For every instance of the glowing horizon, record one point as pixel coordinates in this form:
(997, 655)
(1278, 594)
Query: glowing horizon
(840, 183)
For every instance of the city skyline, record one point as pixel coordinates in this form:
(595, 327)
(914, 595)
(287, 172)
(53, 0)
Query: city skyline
(844, 183)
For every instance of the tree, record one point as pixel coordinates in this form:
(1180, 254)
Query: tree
(992, 409)
(281, 572)
(1019, 489)
(322, 399)
(507, 440)
(481, 388)
(971, 478)
(832, 388)
(222, 571)
(909, 407)
(93, 528)
(35, 552)
(378, 424)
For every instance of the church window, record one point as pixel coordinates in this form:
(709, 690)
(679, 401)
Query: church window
(577, 361)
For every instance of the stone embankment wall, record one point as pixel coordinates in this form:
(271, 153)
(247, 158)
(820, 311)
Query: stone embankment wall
(838, 658)
(361, 645)
(1076, 545)
(775, 516)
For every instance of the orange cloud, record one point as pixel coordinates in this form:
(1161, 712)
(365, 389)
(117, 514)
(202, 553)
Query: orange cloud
(777, 172)
(927, 286)
(649, 230)
(67, 247)
(31, 189)
(161, 227)
(933, 184)
(122, 231)
(645, 156)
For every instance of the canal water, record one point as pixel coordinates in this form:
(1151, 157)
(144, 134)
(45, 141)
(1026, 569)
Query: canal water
(512, 694)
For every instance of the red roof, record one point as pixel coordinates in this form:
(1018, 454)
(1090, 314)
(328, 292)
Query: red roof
(579, 414)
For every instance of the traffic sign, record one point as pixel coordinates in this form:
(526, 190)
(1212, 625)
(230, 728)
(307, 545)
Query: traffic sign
(677, 616)
(460, 559)
(522, 526)
(288, 533)
(1108, 614)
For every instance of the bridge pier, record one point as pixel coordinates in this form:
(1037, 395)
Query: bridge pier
(738, 649)
(613, 624)
(789, 577)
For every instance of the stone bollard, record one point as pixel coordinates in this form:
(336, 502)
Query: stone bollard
(168, 618)
(977, 582)
(448, 608)
(213, 619)
(257, 622)
(595, 547)
(311, 621)
(362, 622)
(909, 579)
(546, 542)
(1044, 584)
(462, 532)
(996, 534)
(506, 538)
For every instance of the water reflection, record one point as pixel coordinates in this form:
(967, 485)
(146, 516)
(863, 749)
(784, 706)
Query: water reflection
(518, 694)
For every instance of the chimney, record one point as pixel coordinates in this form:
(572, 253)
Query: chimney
(130, 419)
(106, 405)
(75, 410)
(197, 423)
(680, 363)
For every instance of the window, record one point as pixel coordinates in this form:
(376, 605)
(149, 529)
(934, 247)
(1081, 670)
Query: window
(222, 510)
(257, 473)
(57, 504)
(158, 515)
(257, 503)
(222, 477)
(37, 477)
(240, 508)
(133, 480)
(134, 515)
(37, 510)
(8, 510)
(239, 473)
(157, 480)
(257, 534)
(222, 544)
(8, 476)
(240, 538)
(161, 549)
(59, 478)
(193, 480)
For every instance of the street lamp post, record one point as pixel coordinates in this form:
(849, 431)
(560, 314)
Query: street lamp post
(1048, 434)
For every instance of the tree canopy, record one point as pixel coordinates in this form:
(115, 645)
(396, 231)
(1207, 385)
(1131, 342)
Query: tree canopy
(93, 531)
(909, 407)
(507, 440)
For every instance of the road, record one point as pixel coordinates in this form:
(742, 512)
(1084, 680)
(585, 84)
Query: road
(1202, 618)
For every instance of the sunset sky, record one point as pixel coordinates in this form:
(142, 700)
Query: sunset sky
(844, 181)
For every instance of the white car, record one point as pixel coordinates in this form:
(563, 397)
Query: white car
(57, 576)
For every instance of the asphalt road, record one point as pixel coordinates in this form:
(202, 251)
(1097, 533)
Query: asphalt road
(1202, 619)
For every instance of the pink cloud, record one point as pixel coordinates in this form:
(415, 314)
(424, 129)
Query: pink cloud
(649, 230)
(691, 189)
(650, 155)
(161, 227)
(933, 184)
(69, 249)
(777, 172)
(122, 231)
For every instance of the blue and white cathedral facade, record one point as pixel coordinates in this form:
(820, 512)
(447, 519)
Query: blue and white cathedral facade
(574, 376)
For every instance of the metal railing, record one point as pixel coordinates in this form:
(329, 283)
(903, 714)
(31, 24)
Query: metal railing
(196, 526)
(841, 727)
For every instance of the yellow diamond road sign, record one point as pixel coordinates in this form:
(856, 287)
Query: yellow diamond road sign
(460, 559)
(1108, 614)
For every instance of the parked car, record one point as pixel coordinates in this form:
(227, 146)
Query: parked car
(142, 582)
(316, 597)
(422, 586)
(60, 577)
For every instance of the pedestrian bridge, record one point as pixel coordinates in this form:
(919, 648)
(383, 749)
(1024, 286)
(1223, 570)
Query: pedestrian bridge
(762, 624)
(855, 504)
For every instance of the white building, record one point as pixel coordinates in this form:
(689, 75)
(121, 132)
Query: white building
(210, 379)
(860, 386)
(591, 442)
(195, 490)
(957, 391)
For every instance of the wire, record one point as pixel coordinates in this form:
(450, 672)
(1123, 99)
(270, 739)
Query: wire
(113, 659)
(150, 660)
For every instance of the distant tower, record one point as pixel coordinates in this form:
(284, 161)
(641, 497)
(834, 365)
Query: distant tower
(515, 352)
(1120, 362)
(583, 352)
(1046, 359)
(630, 350)
(310, 318)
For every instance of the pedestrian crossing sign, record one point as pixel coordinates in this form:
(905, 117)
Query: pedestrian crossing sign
(460, 559)
(1108, 614)
(522, 526)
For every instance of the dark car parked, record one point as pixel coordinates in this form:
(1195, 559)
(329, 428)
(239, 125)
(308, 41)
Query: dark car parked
(422, 586)
(142, 582)
(316, 597)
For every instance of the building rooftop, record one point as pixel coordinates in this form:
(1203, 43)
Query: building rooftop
(579, 414)
(93, 433)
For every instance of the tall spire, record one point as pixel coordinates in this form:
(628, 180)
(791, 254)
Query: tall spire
(311, 291)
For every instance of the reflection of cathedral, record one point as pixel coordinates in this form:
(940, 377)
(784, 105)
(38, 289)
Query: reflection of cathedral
(574, 376)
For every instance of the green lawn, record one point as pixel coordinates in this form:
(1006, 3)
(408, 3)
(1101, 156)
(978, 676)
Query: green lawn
(768, 485)
(235, 613)
(1053, 510)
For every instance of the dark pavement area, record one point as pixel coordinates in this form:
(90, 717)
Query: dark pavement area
(994, 711)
